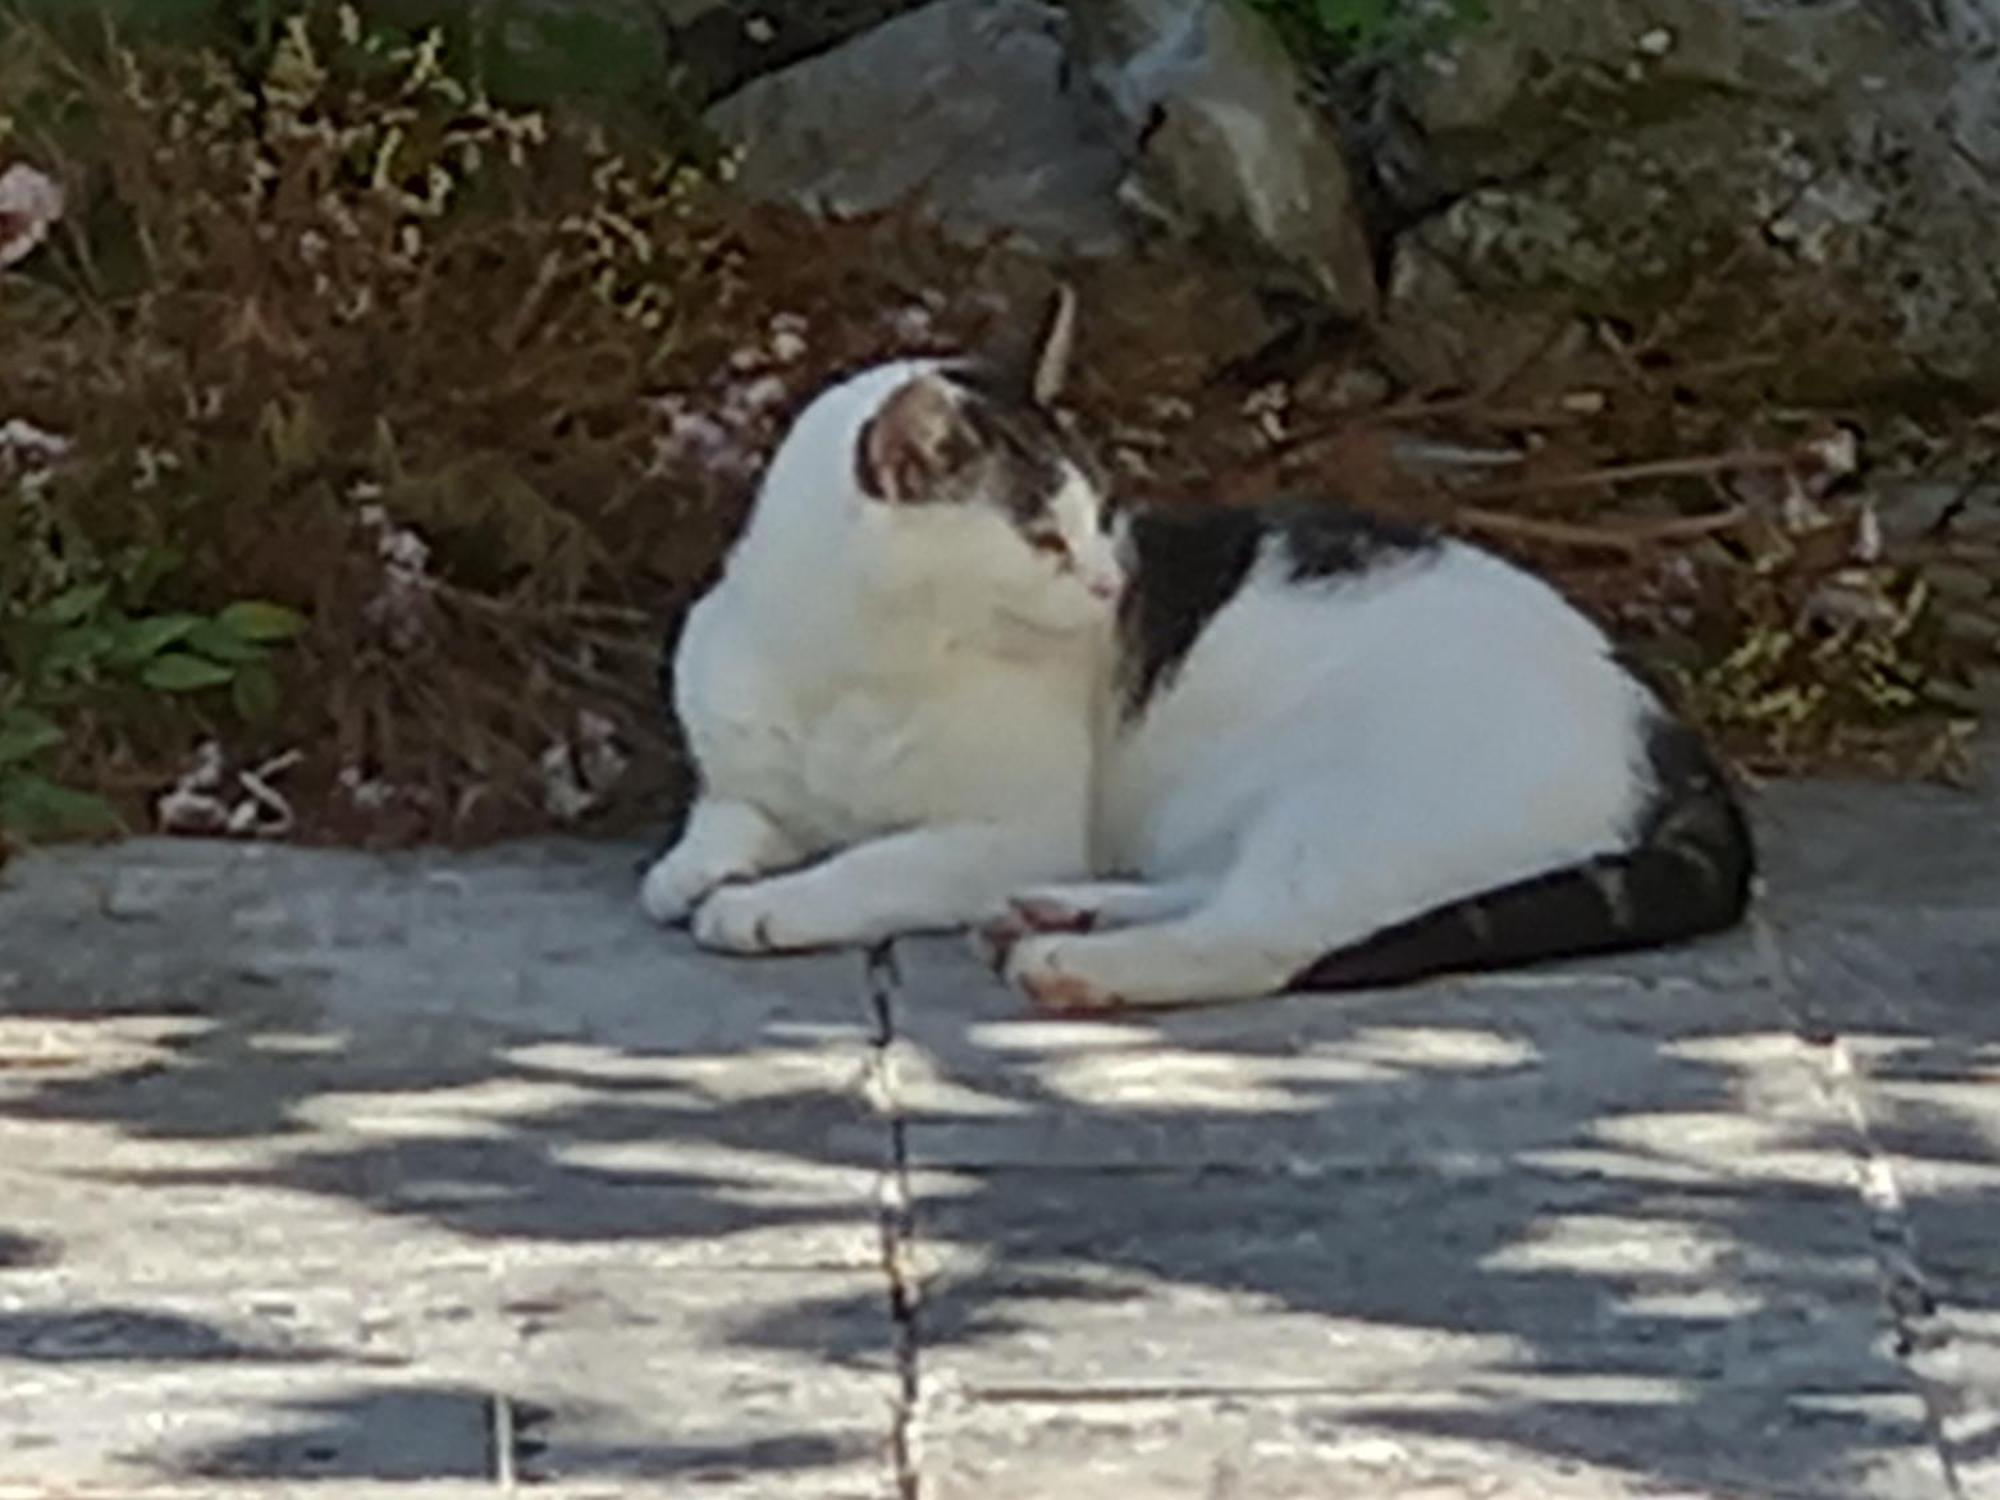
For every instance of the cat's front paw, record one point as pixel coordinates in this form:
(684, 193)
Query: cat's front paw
(993, 942)
(1037, 967)
(745, 919)
(674, 887)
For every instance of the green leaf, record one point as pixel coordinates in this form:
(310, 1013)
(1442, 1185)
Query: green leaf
(148, 567)
(255, 694)
(72, 605)
(76, 650)
(143, 639)
(212, 641)
(24, 734)
(178, 672)
(255, 620)
(36, 807)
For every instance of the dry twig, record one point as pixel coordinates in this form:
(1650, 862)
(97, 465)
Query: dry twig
(1629, 539)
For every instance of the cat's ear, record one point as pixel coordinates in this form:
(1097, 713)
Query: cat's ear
(1050, 369)
(916, 439)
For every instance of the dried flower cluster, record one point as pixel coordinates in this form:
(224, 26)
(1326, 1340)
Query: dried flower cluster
(30, 204)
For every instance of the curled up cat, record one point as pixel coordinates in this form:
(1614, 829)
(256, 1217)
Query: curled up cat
(1156, 757)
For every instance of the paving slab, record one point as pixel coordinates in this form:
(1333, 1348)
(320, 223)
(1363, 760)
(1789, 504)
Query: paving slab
(1649, 1254)
(1570, 1325)
(1556, 1066)
(338, 1174)
(320, 1168)
(1330, 1447)
(490, 1047)
(358, 1489)
(1885, 911)
(538, 1374)
(1603, 1222)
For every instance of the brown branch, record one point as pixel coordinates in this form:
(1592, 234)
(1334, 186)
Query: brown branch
(1745, 462)
(521, 610)
(1415, 408)
(1625, 539)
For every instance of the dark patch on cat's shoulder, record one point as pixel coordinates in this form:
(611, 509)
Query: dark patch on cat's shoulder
(1187, 564)
(1324, 539)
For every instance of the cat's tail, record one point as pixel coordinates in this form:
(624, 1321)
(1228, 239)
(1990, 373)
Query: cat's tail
(1689, 872)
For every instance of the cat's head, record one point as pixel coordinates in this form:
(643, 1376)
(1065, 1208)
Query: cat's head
(971, 477)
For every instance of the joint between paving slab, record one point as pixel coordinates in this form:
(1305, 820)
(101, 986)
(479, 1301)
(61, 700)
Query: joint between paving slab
(501, 1419)
(1906, 1293)
(884, 978)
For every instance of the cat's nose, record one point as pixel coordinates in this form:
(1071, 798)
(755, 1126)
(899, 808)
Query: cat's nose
(1105, 586)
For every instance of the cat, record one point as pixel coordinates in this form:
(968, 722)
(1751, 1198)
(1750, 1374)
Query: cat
(1156, 756)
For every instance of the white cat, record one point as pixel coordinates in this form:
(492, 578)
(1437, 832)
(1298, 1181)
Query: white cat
(1162, 756)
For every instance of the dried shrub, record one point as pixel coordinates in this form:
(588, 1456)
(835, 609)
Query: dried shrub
(483, 395)
(345, 292)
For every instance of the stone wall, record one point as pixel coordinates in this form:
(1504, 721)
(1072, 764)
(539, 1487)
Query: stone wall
(1565, 158)
(1602, 155)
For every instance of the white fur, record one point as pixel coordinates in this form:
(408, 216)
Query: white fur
(909, 685)
(1335, 758)
(924, 704)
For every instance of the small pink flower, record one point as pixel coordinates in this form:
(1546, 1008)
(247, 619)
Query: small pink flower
(30, 204)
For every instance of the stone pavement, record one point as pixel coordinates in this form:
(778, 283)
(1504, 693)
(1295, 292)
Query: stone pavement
(438, 1175)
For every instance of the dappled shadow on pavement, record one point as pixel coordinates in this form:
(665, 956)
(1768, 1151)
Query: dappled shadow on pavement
(1606, 1223)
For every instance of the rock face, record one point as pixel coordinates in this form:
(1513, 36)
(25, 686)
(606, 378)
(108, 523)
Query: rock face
(1193, 120)
(1222, 140)
(1563, 159)
(720, 45)
(1604, 156)
(960, 103)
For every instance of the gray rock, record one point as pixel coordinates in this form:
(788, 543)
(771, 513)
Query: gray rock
(1224, 141)
(720, 45)
(1194, 123)
(1576, 156)
(959, 106)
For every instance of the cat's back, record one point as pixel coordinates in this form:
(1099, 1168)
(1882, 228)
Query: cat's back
(1295, 590)
(1304, 642)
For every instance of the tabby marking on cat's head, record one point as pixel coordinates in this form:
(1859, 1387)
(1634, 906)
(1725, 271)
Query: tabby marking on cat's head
(972, 467)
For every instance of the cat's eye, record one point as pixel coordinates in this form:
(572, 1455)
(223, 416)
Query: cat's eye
(1049, 542)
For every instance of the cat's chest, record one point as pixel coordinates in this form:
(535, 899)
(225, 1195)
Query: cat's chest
(838, 763)
(860, 753)
(841, 736)
(832, 764)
